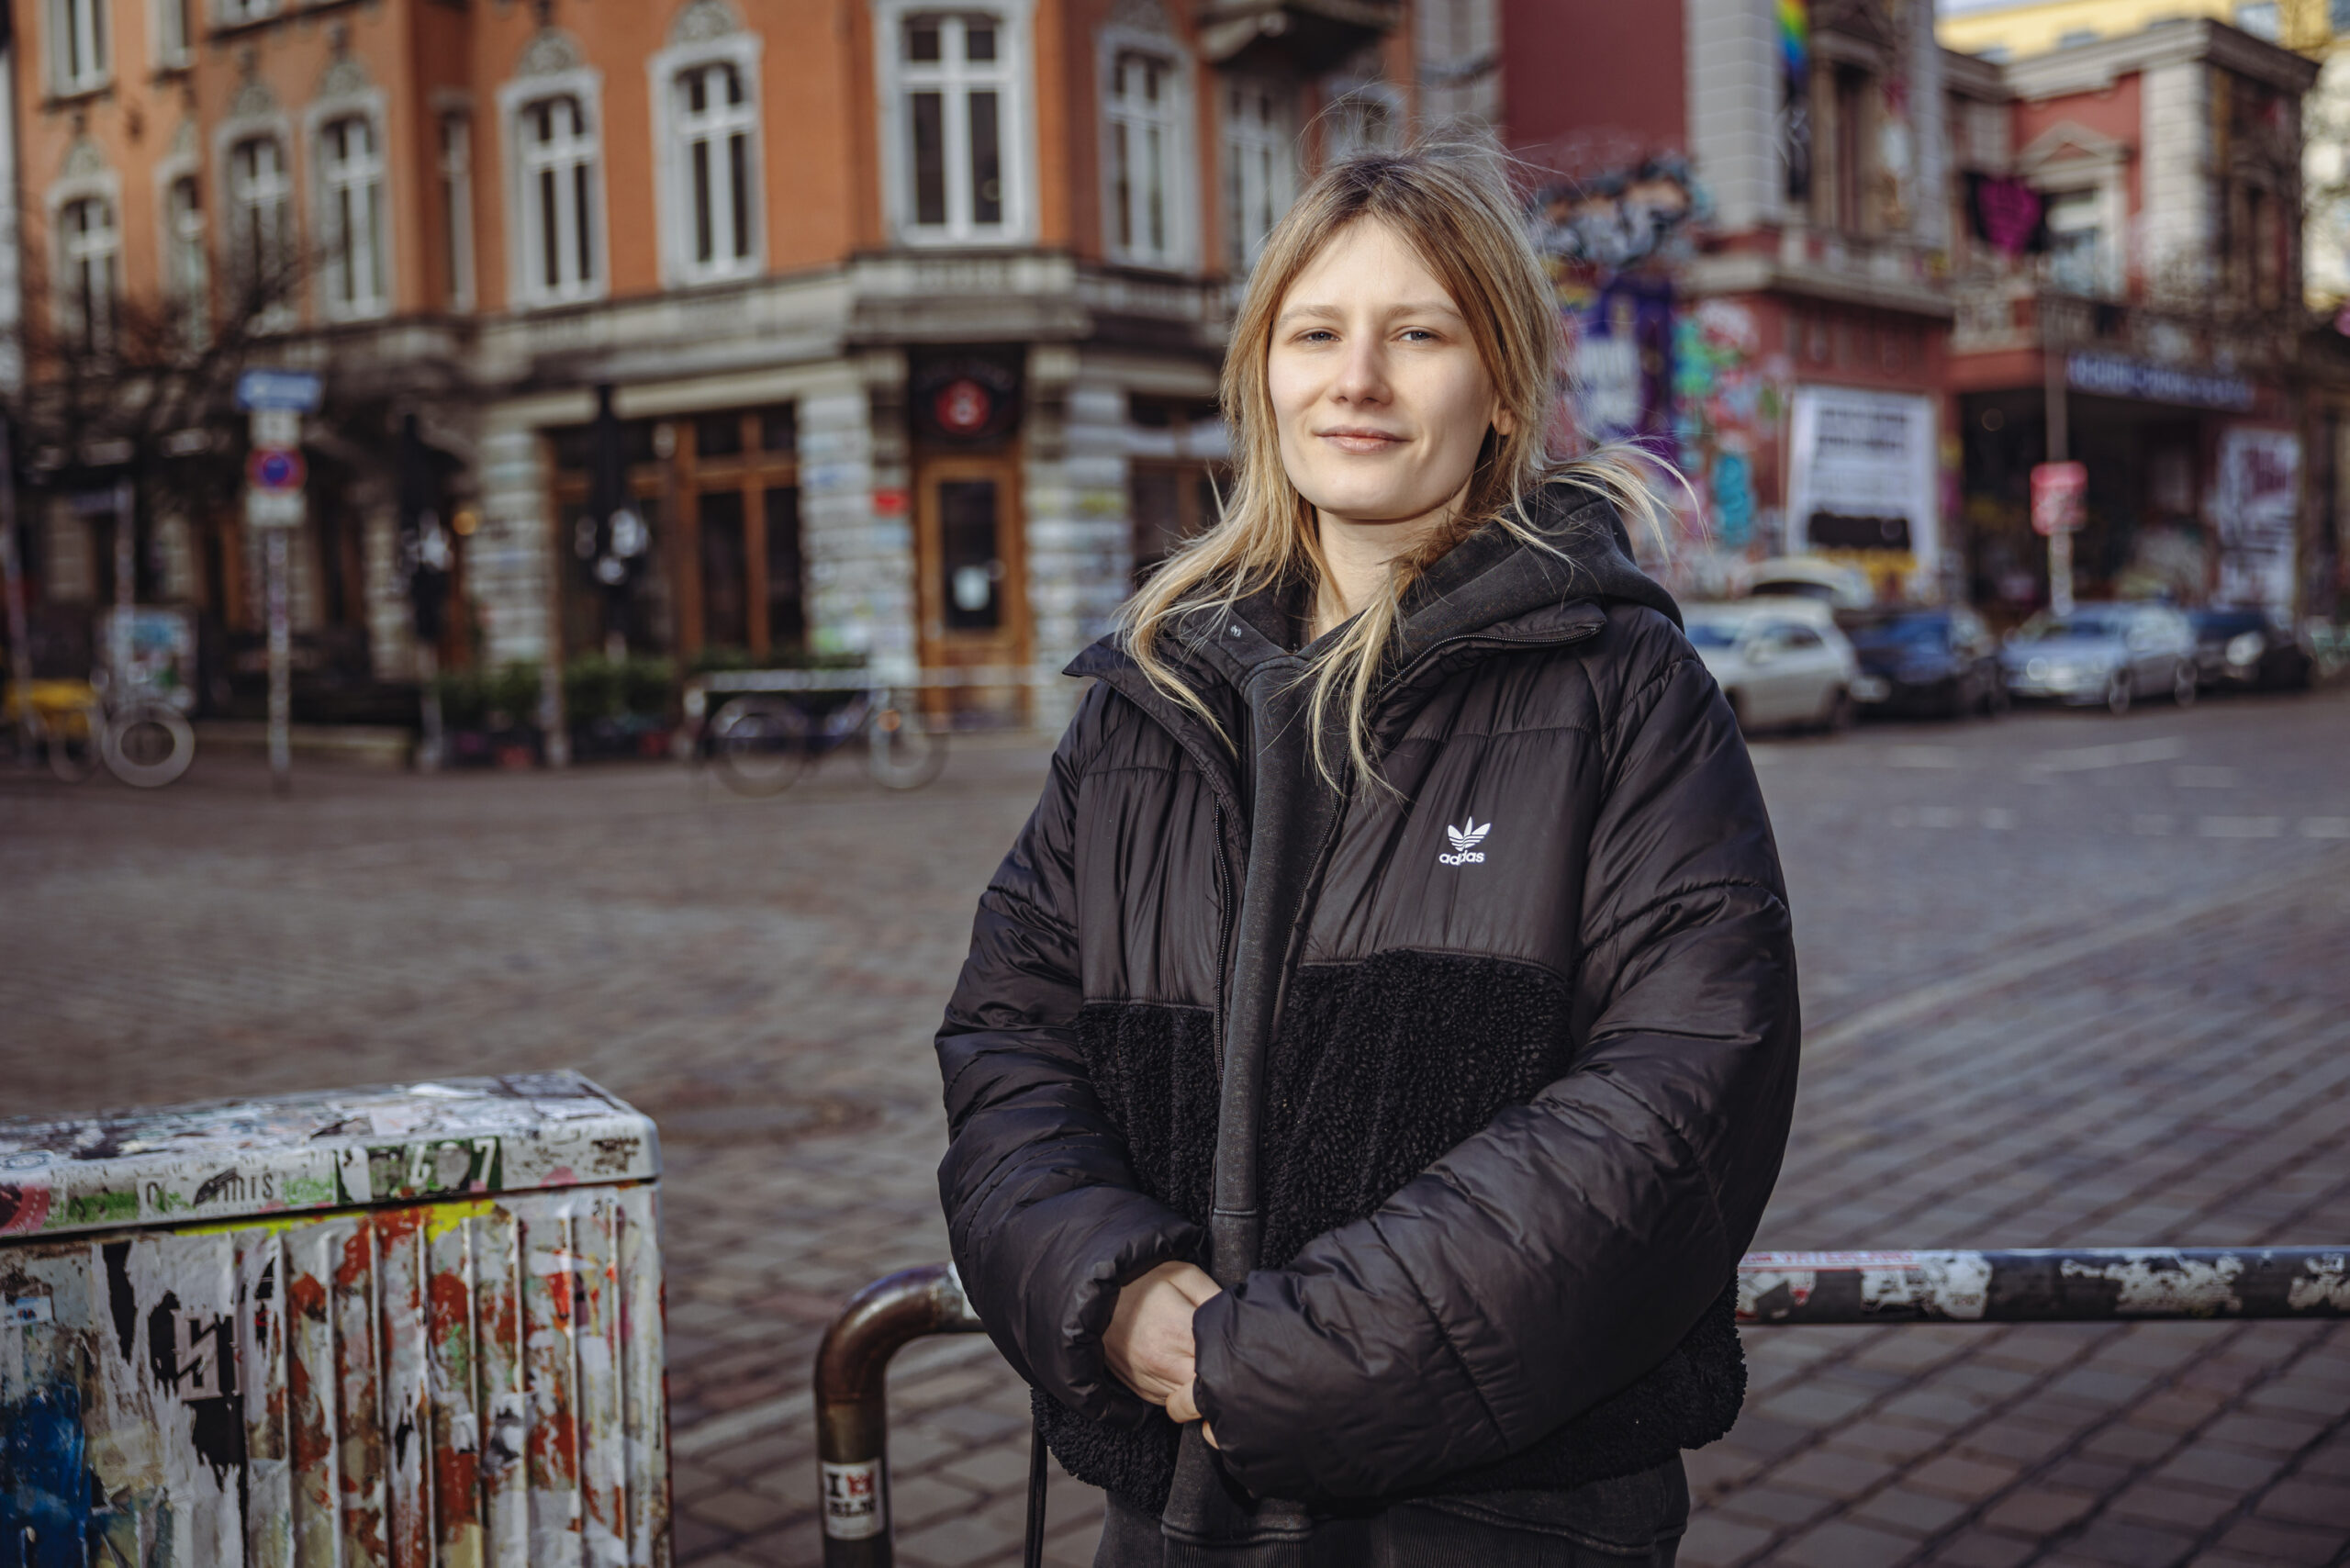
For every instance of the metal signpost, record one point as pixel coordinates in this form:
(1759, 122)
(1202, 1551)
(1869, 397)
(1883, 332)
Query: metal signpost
(275, 474)
(2058, 490)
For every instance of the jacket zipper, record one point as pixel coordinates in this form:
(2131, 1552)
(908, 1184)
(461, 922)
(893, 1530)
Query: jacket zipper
(1223, 937)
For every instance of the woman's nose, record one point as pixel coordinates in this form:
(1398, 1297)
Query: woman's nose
(1362, 379)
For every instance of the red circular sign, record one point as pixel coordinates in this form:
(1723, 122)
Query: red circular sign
(275, 468)
(963, 407)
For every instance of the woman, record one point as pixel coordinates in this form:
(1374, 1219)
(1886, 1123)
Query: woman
(1376, 1050)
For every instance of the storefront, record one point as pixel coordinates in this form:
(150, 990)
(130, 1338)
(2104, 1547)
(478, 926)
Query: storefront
(2193, 484)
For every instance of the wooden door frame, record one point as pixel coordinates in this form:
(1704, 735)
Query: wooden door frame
(933, 640)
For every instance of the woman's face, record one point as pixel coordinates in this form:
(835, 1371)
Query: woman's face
(1382, 400)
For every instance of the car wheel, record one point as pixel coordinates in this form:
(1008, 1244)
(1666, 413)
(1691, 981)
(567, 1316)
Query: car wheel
(1842, 713)
(2119, 691)
(2183, 685)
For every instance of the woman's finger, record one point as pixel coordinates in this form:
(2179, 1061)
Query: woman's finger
(1180, 1406)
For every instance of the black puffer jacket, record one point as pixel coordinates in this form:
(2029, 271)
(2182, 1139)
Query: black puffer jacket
(1470, 1090)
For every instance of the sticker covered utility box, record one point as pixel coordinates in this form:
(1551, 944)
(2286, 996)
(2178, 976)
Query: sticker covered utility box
(412, 1326)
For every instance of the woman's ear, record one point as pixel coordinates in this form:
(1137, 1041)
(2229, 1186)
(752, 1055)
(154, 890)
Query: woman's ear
(1504, 422)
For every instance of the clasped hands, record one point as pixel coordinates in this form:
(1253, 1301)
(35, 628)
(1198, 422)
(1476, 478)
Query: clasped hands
(1148, 1343)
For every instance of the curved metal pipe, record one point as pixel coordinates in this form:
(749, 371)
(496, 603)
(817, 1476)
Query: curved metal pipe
(852, 1404)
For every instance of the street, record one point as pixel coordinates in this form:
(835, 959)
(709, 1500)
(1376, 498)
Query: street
(2068, 979)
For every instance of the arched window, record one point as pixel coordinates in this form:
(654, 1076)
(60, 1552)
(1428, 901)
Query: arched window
(88, 256)
(350, 182)
(261, 210)
(558, 195)
(1139, 114)
(716, 124)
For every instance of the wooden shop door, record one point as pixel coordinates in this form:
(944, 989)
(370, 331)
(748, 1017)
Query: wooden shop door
(971, 569)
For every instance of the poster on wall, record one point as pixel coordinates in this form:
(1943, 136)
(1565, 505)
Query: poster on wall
(2255, 495)
(1862, 485)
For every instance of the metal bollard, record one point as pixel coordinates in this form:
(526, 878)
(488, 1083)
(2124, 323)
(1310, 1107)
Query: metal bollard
(1775, 1289)
(851, 1401)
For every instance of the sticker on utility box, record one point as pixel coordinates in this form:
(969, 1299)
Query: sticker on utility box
(853, 1500)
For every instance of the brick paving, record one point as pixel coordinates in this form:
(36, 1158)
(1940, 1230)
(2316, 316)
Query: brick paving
(2069, 980)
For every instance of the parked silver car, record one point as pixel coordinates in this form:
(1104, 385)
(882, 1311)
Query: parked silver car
(1781, 662)
(2111, 655)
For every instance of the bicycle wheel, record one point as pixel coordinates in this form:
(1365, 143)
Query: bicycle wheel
(148, 745)
(905, 752)
(760, 745)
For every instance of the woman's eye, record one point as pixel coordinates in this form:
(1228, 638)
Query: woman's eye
(1318, 335)
(1419, 335)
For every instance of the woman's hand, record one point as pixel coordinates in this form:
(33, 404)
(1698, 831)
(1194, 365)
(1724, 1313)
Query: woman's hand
(1149, 1339)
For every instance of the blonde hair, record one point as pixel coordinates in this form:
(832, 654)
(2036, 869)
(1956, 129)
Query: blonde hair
(1454, 206)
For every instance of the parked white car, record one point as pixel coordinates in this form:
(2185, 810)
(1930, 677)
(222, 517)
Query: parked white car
(1781, 662)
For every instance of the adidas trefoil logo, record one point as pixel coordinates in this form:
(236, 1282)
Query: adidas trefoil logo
(1464, 843)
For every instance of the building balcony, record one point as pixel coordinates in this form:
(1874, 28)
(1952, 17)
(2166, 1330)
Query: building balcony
(2003, 314)
(1314, 34)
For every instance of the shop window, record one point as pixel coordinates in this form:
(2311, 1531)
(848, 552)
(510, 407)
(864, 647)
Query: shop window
(787, 613)
(968, 561)
(350, 178)
(1259, 166)
(959, 127)
(726, 570)
(728, 573)
(1168, 503)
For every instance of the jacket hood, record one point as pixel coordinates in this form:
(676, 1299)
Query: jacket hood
(1487, 582)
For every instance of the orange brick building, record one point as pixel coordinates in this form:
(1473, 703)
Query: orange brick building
(911, 317)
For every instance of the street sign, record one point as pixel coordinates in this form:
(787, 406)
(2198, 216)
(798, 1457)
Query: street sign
(272, 509)
(2058, 490)
(275, 468)
(296, 389)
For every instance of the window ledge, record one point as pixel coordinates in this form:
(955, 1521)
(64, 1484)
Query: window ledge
(77, 97)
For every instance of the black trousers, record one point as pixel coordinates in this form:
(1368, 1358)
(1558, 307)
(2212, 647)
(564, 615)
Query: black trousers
(1635, 1521)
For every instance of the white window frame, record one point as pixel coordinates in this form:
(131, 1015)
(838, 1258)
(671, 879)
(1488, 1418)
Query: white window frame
(227, 138)
(171, 24)
(67, 315)
(184, 264)
(341, 296)
(452, 161)
(1015, 124)
(89, 68)
(1257, 163)
(526, 272)
(236, 13)
(1178, 247)
(673, 140)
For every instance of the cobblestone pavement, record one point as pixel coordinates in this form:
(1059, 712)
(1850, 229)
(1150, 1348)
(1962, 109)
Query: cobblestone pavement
(2069, 979)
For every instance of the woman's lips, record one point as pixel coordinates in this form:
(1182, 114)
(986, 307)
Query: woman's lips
(1361, 441)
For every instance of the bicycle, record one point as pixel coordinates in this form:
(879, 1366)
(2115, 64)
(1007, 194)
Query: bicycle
(146, 743)
(762, 742)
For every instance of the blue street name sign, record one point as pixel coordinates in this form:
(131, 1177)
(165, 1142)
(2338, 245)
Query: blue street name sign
(294, 389)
